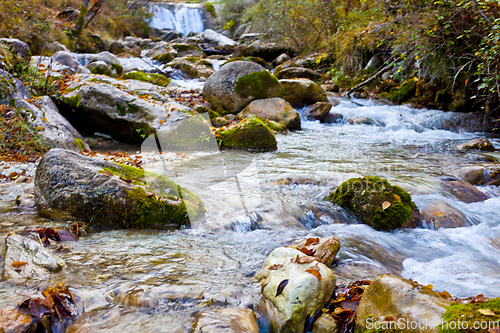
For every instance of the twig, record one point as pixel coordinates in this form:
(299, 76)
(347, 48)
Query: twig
(372, 78)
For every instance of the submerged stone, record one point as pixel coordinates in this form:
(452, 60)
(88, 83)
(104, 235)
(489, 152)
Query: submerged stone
(375, 201)
(110, 195)
(226, 320)
(479, 144)
(275, 109)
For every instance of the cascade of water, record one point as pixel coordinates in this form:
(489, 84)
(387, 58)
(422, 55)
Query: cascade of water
(184, 18)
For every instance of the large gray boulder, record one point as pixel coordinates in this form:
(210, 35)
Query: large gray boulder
(38, 261)
(275, 109)
(213, 37)
(294, 286)
(236, 84)
(128, 110)
(18, 47)
(303, 92)
(65, 58)
(111, 60)
(54, 128)
(11, 88)
(403, 300)
(110, 195)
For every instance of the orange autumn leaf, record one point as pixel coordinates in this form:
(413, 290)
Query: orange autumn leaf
(312, 241)
(314, 270)
(18, 264)
(275, 267)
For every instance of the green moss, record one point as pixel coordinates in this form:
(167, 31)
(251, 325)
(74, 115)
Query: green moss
(122, 111)
(205, 63)
(156, 79)
(117, 69)
(257, 85)
(185, 47)
(404, 92)
(257, 60)
(79, 144)
(132, 108)
(384, 95)
(156, 200)
(192, 60)
(249, 134)
(219, 122)
(164, 58)
(365, 197)
(443, 96)
(210, 8)
(100, 70)
(73, 101)
(275, 126)
(467, 315)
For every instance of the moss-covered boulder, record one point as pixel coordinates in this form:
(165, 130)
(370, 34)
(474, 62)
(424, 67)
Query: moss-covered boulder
(404, 92)
(192, 67)
(257, 60)
(249, 134)
(99, 67)
(375, 201)
(188, 49)
(157, 79)
(236, 84)
(110, 195)
(275, 109)
(476, 144)
(164, 58)
(303, 92)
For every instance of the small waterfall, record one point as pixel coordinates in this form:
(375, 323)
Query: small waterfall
(184, 18)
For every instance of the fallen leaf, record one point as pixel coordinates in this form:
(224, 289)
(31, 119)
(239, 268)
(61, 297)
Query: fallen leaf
(314, 270)
(107, 173)
(486, 312)
(281, 287)
(306, 251)
(275, 267)
(385, 205)
(304, 259)
(480, 299)
(312, 241)
(18, 264)
(126, 180)
(397, 198)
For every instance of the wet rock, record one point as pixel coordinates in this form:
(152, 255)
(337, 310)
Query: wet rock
(99, 67)
(213, 37)
(249, 134)
(186, 49)
(492, 175)
(275, 109)
(25, 200)
(333, 118)
(463, 191)
(238, 83)
(402, 300)
(160, 49)
(56, 131)
(112, 62)
(325, 324)
(219, 122)
(442, 215)
(319, 111)
(291, 291)
(65, 58)
(471, 122)
(13, 321)
(192, 68)
(324, 249)
(128, 110)
(375, 62)
(302, 92)
(266, 51)
(298, 73)
(281, 59)
(471, 174)
(479, 144)
(27, 258)
(481, 158)
(110, 195)
(375, 201)
(360, 121)
(226, 320)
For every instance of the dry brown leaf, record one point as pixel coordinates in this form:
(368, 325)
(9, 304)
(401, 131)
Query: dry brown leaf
(397, 198)
(275, 267)
(312, 241)
(487, 312)
(385, 205)
(281, 287)
(18, 264)
(314, 270)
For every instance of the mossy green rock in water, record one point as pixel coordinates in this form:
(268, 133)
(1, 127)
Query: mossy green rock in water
(404, 92)
(479, 314)
(375, 201)
(249, 134)
(110, 195)
(156, 79)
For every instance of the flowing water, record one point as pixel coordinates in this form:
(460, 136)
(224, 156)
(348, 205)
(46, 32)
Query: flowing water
(182, 17)
(157, 281)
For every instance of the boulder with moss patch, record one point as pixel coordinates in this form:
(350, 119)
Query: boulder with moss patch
(249, 134)
(478, 144)
(376, 202)
(191, 67)
(187, 49)
(257, 60)
(483, 315)
(128, 110)
(404, 92)
(156, 79)
(303, 92)
(110, 195)
(236, 84)
(275, 109)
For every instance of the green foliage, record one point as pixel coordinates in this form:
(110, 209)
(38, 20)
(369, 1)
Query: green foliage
(38, 83)
(158, 79)
(468, 315)
(231, 14)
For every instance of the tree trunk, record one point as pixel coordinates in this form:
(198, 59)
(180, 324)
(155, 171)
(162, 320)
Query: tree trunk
(86, 15)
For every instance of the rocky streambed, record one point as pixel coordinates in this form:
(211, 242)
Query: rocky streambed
(222, 261)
